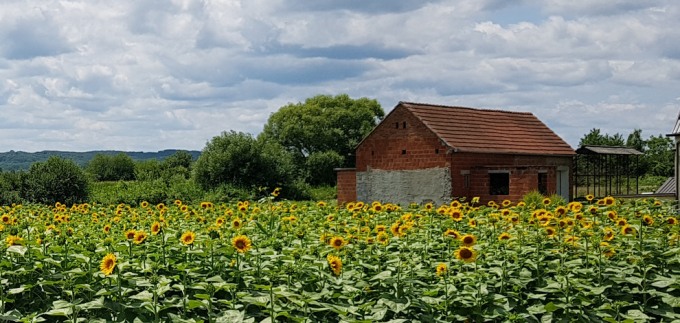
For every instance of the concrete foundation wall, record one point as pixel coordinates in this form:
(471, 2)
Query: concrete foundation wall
(405, 186)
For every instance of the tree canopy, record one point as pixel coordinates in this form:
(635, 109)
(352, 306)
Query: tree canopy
(324, 123)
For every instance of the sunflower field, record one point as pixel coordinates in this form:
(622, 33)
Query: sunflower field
(601, 260)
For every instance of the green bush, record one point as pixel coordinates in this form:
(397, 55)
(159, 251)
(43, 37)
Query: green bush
(320, 167)
(56, 180)
(10, 188)
(120, 167)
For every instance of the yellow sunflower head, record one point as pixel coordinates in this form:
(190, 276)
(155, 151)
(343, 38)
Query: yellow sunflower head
(468, 240)
(466, 254)
(337, 242)
(155, 228)
(241, 243)
(130, 234)
(108, 264)
(504, 236)
(441, 269)
(335, 263)
(188, 238)
(140, 237)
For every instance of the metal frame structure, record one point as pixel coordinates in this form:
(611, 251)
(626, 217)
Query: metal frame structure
(607, 169)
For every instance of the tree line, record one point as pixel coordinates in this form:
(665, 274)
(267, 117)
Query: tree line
(297, 150)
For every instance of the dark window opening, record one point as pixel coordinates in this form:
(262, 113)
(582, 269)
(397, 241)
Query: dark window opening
(403, 152)
(466, 181)
(404, 125)
(499, 183)
(396, 125)
(372, 152)
(543, 183)
(436, 151)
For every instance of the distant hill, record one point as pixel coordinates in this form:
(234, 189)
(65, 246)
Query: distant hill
(20, 160)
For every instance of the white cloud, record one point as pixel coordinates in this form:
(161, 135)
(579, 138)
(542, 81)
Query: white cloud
(85, 75)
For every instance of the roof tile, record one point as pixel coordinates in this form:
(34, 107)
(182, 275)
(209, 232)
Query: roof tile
(489, 131)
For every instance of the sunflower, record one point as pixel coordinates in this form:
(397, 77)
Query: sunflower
(14, 240)
(592, 209)
(466, 254)
(130, 234)
(672, 221)
(188, 237)
(108, 264)
(139, 238)
(335, 264)
(456, 214)
(395, 229)
(5, 218)
(590, 197)
(155, 228)
(377, 207)
(575, 206)
(144, 204)
(451, 233)
(472, 223)
(550, 231)
(648, 220)
(321, 204)
(337, 242)
(441, 269)
(504, 236)
(627, 229)
(236, 223)
(107, 229)
(546, 201)
(468, 240)
(429, 206)
(241, 243)
(380, 228)
(609, 200)
(610, 252)
(382, 237)
(276, 192)
(621, 222)
(521, 204)
(612, 215)
(608, 234)
(219, 221)
(560, 211)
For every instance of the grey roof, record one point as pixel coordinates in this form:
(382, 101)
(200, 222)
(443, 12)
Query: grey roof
(667, 187)
(608, 150)
(676, 129)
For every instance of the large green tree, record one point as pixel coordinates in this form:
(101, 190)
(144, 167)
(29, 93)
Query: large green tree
(324, 127)
(56, 180)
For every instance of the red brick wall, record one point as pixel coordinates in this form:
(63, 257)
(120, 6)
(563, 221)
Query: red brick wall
(523, 172)
(384, 148)
(347, 185)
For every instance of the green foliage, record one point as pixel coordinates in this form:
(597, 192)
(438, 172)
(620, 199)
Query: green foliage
(323, 193)
(533, 199)
(659, 156)
(22, 161)
(594, 137)
(177, 164)
(239, 160)
(119, 167)
(56, 180)
(320, 167)
(321, 124)
(11, 184)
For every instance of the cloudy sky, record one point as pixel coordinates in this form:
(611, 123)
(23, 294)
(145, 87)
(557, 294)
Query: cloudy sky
(149, 75)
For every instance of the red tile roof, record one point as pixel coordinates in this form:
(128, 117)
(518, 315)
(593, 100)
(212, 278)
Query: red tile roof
(489, 131)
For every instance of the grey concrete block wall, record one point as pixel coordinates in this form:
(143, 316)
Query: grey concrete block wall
(405, 186)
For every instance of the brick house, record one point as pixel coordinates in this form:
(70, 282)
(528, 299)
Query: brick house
(424, 152)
